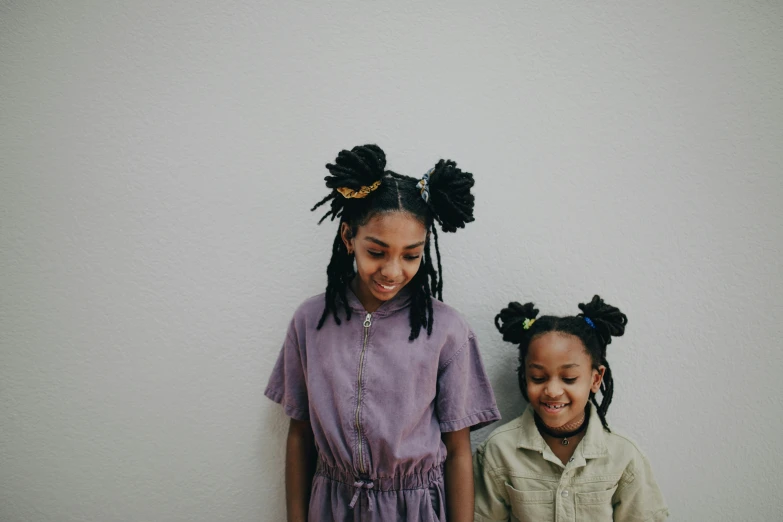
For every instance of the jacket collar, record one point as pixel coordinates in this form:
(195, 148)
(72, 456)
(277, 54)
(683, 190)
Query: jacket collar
(592, 445)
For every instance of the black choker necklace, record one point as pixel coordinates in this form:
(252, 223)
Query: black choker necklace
(562, 436)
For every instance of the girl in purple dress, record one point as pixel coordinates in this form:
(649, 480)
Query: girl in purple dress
(383, 381)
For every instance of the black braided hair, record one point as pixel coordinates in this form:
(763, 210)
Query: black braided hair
(608, 322)
(450, 204)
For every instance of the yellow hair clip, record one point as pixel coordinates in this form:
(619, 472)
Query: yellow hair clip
(527, 323)
(361, 193)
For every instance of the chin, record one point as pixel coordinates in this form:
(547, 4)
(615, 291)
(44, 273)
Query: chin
(384, 297)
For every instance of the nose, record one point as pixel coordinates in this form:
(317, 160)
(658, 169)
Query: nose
(392, 270)
(552, 390)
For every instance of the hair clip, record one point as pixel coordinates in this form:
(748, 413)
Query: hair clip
(424, 186)
(361, 193)
(527, 323)
(589, 322)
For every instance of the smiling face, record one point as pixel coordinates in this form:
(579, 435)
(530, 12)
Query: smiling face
(559, 377)
(388, 250)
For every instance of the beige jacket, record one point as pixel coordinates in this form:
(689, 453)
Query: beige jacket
(517, 477)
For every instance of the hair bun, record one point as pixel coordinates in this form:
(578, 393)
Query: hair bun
(360, 167)
(450, 197)
(511, 321)
(609, 320)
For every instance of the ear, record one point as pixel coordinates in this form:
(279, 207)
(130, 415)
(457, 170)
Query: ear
(598, 377)
(347, 236)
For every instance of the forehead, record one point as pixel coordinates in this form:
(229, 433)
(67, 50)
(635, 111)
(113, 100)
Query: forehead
(394, 228)
(554, 349)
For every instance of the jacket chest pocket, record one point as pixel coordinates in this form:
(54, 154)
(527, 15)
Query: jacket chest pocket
(531, 506)
(595, 506)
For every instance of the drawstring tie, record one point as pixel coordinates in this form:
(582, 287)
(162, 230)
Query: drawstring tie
(359, 485)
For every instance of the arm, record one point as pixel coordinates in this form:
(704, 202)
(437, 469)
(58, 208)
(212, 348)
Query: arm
(490, 504)
(638, 496)
(459, 476)
(300, 458)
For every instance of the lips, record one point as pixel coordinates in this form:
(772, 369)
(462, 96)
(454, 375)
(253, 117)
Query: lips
(385, 288)
(554, 407)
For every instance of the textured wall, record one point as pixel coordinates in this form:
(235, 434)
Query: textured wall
(158, 160)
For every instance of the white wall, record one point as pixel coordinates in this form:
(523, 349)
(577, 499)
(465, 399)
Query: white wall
(158, 160)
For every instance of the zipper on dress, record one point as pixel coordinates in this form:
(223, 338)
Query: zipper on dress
(367, 323)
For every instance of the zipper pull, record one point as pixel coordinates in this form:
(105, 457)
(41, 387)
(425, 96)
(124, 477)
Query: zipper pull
(367, 322)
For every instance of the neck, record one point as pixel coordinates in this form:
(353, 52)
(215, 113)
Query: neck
(368, 301)
(566, 428)
(572, 429)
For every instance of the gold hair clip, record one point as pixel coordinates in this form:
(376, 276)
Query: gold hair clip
(361, 193)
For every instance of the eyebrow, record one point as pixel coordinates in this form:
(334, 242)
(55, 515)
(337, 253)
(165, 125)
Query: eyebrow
(564, 367)
(384, 245)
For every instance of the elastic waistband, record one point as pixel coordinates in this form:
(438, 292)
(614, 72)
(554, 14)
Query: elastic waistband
(421, 480)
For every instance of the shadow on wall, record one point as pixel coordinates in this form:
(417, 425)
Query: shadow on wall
(272, 445)
(503, 378)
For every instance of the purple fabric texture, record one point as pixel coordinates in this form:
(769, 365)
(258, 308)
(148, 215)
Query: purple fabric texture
(377, 404)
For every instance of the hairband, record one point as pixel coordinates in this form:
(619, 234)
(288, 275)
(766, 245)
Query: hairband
(424, 186)
(361, 193)
(589, 322)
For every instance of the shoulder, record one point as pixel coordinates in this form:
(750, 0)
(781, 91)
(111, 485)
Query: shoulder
(451, 331)
(307, 314)
(501, 440)
(451, 325)
(625, 450)
(311, 306)
(637, 483)
(447, 317)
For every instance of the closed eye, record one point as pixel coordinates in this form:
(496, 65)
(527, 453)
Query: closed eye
(373, 253)
(569, 381)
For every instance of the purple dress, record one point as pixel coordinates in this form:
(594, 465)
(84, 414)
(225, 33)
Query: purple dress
(378, 403)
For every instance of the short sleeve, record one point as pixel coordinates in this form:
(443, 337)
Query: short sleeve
(638, 497)
(288, 383)
(489, 504)
(464, 396)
